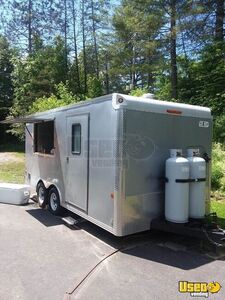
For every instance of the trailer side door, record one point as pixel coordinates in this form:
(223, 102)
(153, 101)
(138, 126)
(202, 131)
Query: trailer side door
(77, 161)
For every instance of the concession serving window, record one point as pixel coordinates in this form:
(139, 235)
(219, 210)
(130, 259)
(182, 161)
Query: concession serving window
(43, 137)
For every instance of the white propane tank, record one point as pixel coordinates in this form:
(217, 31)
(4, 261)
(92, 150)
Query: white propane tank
(197, 184)
(177, 188)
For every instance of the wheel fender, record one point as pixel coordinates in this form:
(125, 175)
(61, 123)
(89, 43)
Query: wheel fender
(40, 181)
(50, 184)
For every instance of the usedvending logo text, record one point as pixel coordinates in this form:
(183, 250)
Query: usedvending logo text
(199, 289)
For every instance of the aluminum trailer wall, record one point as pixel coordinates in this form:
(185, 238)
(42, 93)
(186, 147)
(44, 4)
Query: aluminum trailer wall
(154, 134)
(53, 169)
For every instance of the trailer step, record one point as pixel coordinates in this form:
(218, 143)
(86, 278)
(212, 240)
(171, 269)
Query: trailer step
(70, 221)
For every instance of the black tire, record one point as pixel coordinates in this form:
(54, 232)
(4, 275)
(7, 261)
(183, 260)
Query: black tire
(42, 195)
(54, 202)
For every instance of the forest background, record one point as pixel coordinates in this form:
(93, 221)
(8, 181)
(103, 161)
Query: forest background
(57, 52)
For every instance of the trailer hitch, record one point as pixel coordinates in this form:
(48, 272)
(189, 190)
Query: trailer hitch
(206, 229)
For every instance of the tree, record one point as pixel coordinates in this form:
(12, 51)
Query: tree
(6, 86)
(219, 31)
(191, 27)
(37, 75)
(94, 87)
(23, 23)
(94, 33)
(209, 74)
(136, 28)
(76, 62)
(84, 44)
(173, 48)
(23, 20)
(65, 33)
(61, 97)
(6, 69)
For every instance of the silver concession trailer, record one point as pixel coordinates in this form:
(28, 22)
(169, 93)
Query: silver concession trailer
(104, 159)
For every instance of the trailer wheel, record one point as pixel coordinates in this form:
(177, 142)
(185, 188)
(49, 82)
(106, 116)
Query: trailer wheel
(54, 202)
(41, 195)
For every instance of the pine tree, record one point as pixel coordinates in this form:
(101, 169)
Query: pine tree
(173, 48)
(83, 26)
(76, 62)
(38, 74)
(6, 69)
(136, 28)
(219, 31)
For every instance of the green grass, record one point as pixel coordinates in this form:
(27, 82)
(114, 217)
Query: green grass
(13, 171)
(218, 169)
(219, 208)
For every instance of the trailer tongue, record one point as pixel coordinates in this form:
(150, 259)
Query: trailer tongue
(205, 229)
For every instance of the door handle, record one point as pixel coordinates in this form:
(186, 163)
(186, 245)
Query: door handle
(67, 159)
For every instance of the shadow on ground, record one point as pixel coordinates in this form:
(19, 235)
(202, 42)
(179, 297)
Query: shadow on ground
(44, 217)
(164, 248)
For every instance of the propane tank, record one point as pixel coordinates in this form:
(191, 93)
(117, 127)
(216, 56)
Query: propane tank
(197, 184)
(177, 188)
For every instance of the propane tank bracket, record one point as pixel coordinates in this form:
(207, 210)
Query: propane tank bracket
(197, 180)
(182, 180)
(190, 180)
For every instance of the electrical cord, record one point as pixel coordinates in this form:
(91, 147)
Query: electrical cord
(69, 293)
(214, 243)
(90, 272)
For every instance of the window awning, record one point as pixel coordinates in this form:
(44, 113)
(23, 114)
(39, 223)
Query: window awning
(24, 120)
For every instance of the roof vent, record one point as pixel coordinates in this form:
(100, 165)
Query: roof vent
(148, 96)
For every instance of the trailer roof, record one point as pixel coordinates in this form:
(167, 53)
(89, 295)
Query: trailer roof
(159, 106)
(120, 101)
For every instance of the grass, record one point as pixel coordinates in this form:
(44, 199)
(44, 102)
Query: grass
(13, 170)
(219, 208)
